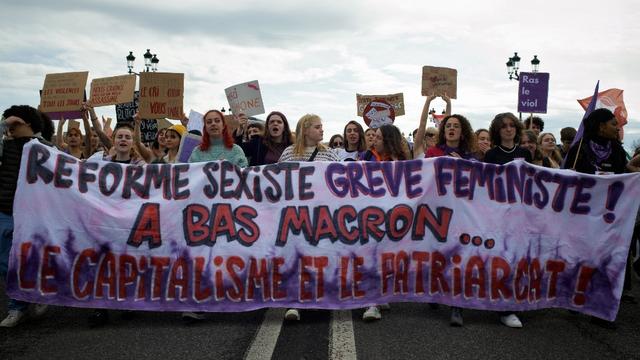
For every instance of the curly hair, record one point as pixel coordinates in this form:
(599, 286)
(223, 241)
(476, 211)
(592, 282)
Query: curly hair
(496, 125)
(467, 143)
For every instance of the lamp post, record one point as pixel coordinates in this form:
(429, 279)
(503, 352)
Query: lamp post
(513, 65)
(150, 62)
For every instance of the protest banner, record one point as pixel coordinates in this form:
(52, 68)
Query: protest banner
(214, 237)
(245, 98)
(161, 95)
(439, 81)
(377, 110)
(612, 99)
(187, 144)
(63, 92)
(112, 90)
(533, 92)
(163, 124)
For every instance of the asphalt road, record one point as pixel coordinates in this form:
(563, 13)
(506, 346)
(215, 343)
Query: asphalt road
(407, 331)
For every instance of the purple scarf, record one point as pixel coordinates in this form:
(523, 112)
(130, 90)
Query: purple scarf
(602, 152)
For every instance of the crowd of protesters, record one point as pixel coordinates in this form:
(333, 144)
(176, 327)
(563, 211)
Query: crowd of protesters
(253, 144)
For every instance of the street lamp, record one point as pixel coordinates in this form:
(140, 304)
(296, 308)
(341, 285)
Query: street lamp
(150, 62)
(513, 65)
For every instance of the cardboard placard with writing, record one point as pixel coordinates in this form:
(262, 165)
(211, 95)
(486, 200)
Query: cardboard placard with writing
(112, 90)
(232, 122)
(439, 80)
(245, 98)
(63, 92)
(148, 130)
(161, 95)
(396, 100)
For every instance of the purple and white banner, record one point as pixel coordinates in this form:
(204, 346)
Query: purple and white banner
(533, 92)
(214, 237)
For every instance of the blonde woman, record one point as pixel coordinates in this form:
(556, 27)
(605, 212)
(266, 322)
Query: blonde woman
(308, 145)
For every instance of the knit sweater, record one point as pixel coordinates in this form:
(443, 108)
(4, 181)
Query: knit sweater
(217, 151)
(323, 155)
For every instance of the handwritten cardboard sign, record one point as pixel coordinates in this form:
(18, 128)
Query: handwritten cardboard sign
(395, 100)
(245, 98)
(439, 80)
(533, 92)
(63, 92)
(148, 130)
(112, 90)
(161, 95)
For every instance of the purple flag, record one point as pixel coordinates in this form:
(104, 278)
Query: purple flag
(590, 108)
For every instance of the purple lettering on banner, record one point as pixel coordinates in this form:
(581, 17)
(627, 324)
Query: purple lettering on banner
(533, 92)
(510, 237)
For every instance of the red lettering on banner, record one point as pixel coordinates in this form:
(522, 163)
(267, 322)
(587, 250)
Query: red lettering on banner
(386, 271)
(305, 278)
(90, 257)
(178, 279)
(358, 261)
(127, 274)
(438, 223)
(500, 272)
(555, 267)
(477, 278)
(521, 291)
(438, 281)
(276, 280)
(584, 278)
(142, 280)
(421, 258)
(535, 281)
(457, 275)
(48, 271)
(235, 293)
(106, 276)
(158, 263)
(346, 292)
(147, 227)
(23, 282)
(199, 294)
(401, 269)
(258, 278)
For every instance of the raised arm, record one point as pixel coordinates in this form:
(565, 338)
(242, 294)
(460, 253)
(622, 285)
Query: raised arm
(60, 135)
(418, 142)
(87, 136)
(144, 151)
(447, 99)
(104, 139)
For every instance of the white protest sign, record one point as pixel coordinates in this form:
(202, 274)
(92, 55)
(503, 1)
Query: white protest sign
(245, 98)
(195, 121)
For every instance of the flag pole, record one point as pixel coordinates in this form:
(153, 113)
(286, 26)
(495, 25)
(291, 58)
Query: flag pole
(577, 154)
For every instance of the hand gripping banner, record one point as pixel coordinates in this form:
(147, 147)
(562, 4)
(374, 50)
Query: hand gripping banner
(214, 237)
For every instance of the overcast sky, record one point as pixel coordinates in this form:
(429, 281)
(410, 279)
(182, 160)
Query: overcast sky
(313, 57)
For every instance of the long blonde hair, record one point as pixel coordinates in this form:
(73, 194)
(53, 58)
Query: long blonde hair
(303, 124)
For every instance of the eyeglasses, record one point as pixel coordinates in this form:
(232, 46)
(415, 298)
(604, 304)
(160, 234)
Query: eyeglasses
(430, 134)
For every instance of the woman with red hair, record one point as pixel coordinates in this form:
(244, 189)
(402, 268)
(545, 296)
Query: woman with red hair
(217, 143)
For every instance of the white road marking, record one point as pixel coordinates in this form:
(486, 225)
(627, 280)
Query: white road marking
(342, 342)
(266, 338)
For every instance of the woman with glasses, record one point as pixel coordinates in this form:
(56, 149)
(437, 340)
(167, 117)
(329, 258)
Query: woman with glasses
(336, 141)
